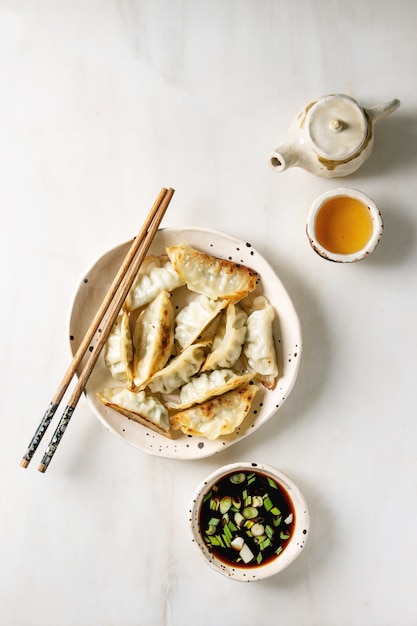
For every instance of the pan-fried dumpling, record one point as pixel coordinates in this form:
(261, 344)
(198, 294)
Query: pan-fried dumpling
(194, 318)
(179, 370)
(259, 347)
(228, 340)
(212, 276)
(118, 350)
(156, 274)
(153, 339)
(208, 385)
(216, 417)
(138, 406)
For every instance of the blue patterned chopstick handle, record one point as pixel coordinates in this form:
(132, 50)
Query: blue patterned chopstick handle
(56, 438)
(37, 437)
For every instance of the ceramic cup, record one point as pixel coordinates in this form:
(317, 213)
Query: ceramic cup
(270, 519)
(344, 225)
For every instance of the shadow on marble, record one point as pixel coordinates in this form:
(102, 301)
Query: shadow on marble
(395, 147)
(399, 237)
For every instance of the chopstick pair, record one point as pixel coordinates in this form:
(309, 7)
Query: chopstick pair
(113, 302)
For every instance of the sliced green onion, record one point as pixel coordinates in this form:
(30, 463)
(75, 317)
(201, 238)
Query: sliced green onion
(238, 478)
(269, 531)
(257, 501)
(239, 519)
(246, 520)
(236, 502)
(212, 540)
(249, 512)
(246, 554)
(265, 544)
(237, 543)
(225, 504)
(248, 524)
(257, 529)
(214, 504)
(247, 499)
(214, 521)
(259, 540)
(272, 483)
(227, 533)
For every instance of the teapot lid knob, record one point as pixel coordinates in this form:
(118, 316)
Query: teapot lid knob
(336, 126)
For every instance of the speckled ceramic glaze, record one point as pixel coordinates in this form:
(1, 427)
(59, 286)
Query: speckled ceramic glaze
(286, 328)
(332, 136)
(374, 212)
(292, 550)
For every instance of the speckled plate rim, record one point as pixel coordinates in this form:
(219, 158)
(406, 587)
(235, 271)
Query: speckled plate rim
(90, 292)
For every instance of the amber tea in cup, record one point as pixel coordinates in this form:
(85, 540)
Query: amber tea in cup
(344, 225)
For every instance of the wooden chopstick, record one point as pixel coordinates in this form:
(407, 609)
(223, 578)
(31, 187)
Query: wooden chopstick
(105, 331)
(115, 297)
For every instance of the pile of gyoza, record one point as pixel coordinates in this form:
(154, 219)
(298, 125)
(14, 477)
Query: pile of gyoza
(192, 368)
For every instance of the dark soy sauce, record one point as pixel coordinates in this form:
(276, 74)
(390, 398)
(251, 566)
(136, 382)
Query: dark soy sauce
(246, 519)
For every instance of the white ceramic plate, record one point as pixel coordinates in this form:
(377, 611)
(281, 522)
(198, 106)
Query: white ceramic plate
(287, 333)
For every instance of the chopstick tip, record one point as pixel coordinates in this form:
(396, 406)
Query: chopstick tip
(24, 463)
(42, 468)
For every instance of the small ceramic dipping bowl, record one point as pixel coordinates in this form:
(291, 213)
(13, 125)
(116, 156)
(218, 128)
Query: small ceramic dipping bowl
(249, 521)
(344, 225)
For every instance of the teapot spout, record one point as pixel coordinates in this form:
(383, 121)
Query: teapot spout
(381, 110)
(284, 157)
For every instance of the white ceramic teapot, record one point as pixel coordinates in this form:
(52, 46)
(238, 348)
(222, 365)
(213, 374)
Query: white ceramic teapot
(331, 136)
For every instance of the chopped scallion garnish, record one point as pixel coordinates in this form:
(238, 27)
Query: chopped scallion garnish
(269, 531)
(227, 532)
(242, 517)
(265, 544)
(212, 540)
(214, 521)
(207, 496)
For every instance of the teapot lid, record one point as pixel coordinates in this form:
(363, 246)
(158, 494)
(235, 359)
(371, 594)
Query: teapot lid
(336, 126)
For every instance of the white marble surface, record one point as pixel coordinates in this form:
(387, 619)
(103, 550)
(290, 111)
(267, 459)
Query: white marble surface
(101, 104)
